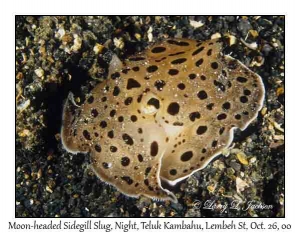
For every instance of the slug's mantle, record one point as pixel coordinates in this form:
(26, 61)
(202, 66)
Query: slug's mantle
(162, 115)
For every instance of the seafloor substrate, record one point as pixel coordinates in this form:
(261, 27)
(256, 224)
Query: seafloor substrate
(55, 55)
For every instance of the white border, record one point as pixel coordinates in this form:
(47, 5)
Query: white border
(7, 120)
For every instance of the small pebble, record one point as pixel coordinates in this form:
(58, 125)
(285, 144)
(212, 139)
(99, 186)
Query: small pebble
(196, 24)
(39, 72)
(137, 36)
(48, 189)
(242, 158)
(98, 48)
(216, 36)
(77, 43)
(119, 43)
(252, 160)
(264, 111)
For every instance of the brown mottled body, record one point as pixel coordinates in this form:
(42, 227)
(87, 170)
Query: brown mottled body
(163, 115)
